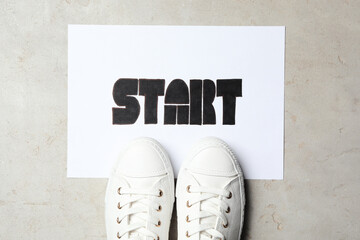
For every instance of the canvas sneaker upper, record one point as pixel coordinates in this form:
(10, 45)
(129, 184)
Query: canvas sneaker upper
(140, 193)
(210, 193)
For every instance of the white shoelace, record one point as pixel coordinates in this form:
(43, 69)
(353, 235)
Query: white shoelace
(135, 209)
(209, 206)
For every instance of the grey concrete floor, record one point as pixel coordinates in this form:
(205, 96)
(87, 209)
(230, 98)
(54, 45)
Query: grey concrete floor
(320, 194)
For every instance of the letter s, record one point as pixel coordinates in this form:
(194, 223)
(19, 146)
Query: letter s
(129, 109)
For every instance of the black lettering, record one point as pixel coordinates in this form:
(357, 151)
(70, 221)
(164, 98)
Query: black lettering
(195, 102)
(177, 93)
(170, 114)
(229, 89)
(182, 114)
(209, 116)
(130, 108)
(151, 89)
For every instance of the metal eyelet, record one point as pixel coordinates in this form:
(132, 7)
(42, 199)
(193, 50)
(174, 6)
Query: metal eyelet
(119, 206)
(118, 220)
(119, 190)
(227, 210)
(188, 189)
(159, 208)
(158, 224)
(118, 235)
(187, 234)
(160, 193)
(225, 225)
(187, 204)
(187, 218)
(230, 195)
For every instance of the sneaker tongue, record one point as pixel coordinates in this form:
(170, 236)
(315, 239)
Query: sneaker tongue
(213, 182)
(139, 183)
(142, 183)
(135, 236)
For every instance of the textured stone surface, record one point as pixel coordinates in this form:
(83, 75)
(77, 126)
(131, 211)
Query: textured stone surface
(319, 197)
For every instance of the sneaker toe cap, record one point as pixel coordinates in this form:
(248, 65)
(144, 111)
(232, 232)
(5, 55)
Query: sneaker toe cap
(142, 158)
(213, 158)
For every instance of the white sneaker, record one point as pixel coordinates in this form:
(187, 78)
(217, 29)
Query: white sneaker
(140, 193)
(210, 193)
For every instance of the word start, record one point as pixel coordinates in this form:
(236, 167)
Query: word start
(180, 106)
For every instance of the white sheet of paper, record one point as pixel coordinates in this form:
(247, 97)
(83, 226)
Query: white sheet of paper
(99, 55)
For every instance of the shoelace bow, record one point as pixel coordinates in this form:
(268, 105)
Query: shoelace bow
(138, 213)
(210, 203)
